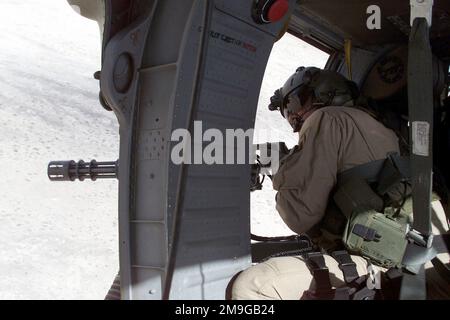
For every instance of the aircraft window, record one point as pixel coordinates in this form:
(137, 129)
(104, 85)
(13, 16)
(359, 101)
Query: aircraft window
(288, 54)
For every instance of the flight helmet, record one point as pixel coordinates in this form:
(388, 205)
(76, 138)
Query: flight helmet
(323, 87)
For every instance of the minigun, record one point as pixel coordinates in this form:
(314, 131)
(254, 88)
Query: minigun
(81, 170)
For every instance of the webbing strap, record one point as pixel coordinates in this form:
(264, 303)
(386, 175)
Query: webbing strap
(417, 255)
(347, 266)
(442, 269)
(324, 291)
(441, 243)
(420, 97)
(319, 270)
(413, 286)
(370, 171)
(356, 288)
(390, 284)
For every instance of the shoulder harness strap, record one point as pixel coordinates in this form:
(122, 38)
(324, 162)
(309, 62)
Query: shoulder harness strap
(373, 171)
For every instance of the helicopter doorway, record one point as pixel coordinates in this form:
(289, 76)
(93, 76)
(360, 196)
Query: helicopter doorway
(287, 55)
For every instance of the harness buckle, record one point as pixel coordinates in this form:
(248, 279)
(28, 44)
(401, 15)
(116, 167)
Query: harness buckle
(347, 265)
(420, 239)
(319, 270)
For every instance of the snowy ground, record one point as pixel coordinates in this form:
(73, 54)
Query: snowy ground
(59, 240)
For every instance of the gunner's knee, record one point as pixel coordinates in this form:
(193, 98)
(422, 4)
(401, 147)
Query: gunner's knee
(252, 284)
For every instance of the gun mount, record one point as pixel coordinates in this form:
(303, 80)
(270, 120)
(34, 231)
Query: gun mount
(81, 170)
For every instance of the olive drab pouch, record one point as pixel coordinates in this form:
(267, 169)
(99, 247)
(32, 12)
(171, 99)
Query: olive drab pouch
(373, 231)
(380, 237)
(375, 199)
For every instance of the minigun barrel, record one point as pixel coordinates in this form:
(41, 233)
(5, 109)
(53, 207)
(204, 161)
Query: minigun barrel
(81, 170)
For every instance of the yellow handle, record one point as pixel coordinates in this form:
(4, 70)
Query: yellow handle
(348, 57)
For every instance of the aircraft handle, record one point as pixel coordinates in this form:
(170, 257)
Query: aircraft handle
(81, 170)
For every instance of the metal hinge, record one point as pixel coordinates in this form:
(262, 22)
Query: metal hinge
(422, 9)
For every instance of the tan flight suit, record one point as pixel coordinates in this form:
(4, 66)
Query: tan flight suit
(332, 140)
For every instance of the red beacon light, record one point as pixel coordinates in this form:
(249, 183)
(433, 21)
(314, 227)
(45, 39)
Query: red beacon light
(269, 11)
(278, 10)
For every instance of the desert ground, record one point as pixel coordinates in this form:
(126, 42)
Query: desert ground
(59, 240)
